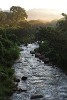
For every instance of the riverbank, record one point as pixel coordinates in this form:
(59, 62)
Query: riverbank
(7, 85)
(47, 59)
(9, 52)
(6, 82)
(53, 44)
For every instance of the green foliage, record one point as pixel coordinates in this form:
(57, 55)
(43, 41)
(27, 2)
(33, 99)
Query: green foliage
(13, 17)
(15, 25)
(18, 13)
(9, 52)
(2, 17)
(6, 85)
(54, 43)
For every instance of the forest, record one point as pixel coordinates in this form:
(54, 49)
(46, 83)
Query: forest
(16, 30)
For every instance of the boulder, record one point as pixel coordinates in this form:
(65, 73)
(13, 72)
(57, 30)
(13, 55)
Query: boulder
(32, 52)
(19, 62)
(39, 60)
(25, 44)
(36, 96)
(32, 55)
(36, 50)
(37, 55)
(41, 57)
(46, 60)
(21, 90)
(24, 78)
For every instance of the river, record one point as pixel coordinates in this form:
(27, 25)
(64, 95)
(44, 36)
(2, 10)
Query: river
(42, 79)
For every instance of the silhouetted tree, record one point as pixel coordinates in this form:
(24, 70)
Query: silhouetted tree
(18, 13)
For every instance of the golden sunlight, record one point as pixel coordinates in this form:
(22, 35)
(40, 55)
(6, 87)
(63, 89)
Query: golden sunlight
(44, 8)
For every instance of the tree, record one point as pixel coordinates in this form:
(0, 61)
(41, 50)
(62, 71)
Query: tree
(62, 24)
(2, 17)
(8, 18)
(65, 16)
(18, 13)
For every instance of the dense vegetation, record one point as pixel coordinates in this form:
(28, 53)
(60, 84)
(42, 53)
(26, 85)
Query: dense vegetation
(15, 22)
(54, 43)
(9, 50)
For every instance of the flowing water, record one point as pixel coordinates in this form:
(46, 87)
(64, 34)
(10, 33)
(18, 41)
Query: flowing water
(42, 79)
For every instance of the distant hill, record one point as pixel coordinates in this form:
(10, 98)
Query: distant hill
(37, 23)
(52, 23)
(42, 23)
(43, 14)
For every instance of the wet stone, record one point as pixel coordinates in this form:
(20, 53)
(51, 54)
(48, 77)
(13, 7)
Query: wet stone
(46, 60)
(32, 52)
(37, 55)
(21, 90)
(25, 44)
(36, 96)
(18, 61)
(41, 57)
(24, 78)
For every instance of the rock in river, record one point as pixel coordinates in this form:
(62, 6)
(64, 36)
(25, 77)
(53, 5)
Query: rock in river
(36, 96)
(41, 57)
(32, 52)
(37, 55)
(24, 78)
(46, 60)
(21, 90)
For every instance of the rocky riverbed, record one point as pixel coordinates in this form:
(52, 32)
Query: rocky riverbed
(37, 80)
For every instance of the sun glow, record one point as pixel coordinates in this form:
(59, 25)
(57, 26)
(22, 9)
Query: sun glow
(54, 7)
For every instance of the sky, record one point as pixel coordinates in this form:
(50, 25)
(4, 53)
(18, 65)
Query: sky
(60, 5)
(52, 6)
